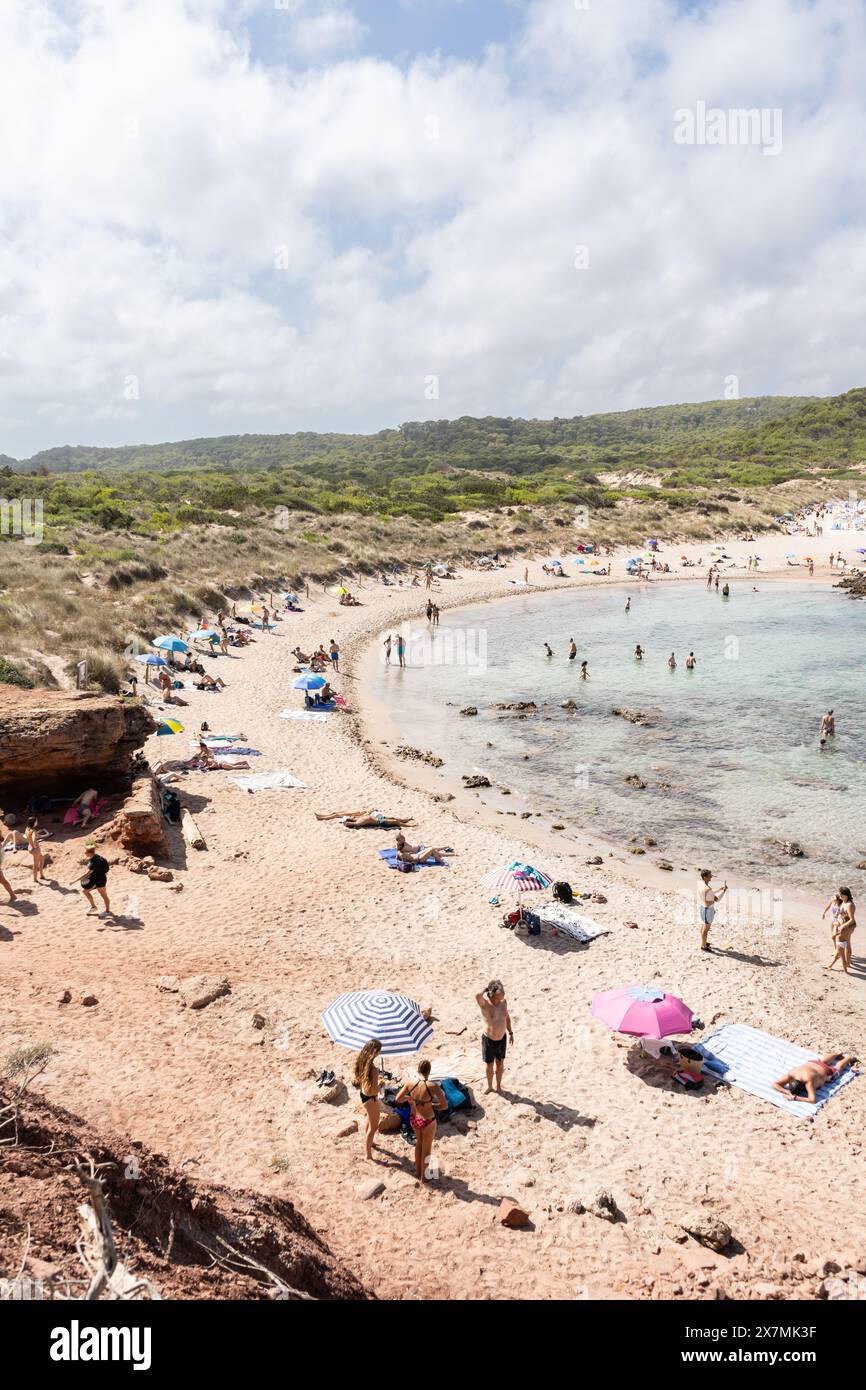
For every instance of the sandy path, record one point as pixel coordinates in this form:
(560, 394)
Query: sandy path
(292, 912)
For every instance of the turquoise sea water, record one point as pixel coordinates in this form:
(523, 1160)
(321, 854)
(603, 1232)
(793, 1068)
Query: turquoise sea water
(731, 758)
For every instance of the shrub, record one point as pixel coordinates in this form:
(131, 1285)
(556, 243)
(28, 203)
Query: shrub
(10, 674)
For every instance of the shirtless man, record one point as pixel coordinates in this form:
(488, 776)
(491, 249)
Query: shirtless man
(691, 661)
(572, 649)
(416, 854)
(828, 725)
(548, 650)
(709, 897)
(497, 1022)
(803, 1082)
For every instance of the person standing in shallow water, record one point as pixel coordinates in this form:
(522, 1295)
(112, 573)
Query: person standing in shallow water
(628, 604)
(672, 662)
(828, 725)
(691, 661)
(638, 652)
(572, 649)
(584, 670)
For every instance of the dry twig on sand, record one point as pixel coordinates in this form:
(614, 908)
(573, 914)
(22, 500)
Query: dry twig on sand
(96, 1248)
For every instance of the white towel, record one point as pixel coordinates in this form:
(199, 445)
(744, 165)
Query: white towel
(569, 922)
(263, 781)
(320, 716)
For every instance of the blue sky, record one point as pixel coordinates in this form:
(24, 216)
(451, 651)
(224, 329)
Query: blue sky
(221, 217)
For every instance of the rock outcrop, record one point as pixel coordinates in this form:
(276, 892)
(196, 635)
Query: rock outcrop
(54, 740)
(139, 824)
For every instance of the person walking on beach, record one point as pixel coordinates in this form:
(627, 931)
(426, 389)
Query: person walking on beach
(846, 924)
(387, 645)
(334, 653)
(435, 615)
(31, 835)
(401, 649)
(717, 583)
(367, 1078)
(497, 1022)
(96, 877)
(572, 649)
(710, 577)
(828, 725)
(266, 619)
(425, 1097)
(709, 897)
(429, 610)
(4, 882)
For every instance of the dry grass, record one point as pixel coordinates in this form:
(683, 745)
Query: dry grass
(114, 591)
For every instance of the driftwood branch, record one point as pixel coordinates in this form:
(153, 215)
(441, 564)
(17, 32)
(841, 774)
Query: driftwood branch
(96, 1248)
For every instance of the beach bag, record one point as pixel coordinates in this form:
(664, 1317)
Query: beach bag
(562, 892)
(171, 806)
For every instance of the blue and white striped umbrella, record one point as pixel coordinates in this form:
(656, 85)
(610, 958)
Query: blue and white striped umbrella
(354, 1018)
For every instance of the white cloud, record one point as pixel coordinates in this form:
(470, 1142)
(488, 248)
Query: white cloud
(268, 247)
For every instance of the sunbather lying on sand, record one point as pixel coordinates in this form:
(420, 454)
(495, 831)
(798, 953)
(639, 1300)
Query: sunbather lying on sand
(209, 683)
(366, 820)
(208, 763)
(802, 1083)
(416, 854)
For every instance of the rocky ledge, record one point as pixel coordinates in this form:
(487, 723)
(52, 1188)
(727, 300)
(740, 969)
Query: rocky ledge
(53, 739)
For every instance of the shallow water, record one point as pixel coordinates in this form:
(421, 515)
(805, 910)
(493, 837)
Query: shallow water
(731, 757)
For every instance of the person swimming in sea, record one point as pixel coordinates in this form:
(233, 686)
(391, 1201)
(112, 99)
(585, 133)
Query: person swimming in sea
(548, 650)
(584, 670)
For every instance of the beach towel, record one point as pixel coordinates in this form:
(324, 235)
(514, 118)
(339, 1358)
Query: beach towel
(569, 922)
(319, 715)
(753, 1060)
(264, 781)
(390, 857)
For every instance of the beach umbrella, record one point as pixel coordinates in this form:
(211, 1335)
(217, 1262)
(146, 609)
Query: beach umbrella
(308, 682)
(287, 598)
(150, 660)
(170, 644)
(207, 632)
(516, 878)
(643, 1010)
(169, 726)
(361, 1014)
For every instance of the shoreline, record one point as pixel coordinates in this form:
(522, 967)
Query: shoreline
(379, 734)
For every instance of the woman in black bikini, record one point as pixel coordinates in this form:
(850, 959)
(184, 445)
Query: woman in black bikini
(425, 1098)
(369, 1083)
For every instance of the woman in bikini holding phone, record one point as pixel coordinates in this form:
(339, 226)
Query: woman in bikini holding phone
(844, 928)
(425, 1098)
(368, 1080)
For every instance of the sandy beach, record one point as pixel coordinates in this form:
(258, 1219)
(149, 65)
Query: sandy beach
(292, 912)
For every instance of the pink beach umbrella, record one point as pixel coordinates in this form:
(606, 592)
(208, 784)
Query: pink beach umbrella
(643, 1010)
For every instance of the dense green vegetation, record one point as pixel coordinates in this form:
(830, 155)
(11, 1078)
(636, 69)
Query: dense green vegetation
(435, 469)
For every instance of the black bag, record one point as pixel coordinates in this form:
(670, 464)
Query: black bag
(562, 892)
(532, 922)
(171, 806)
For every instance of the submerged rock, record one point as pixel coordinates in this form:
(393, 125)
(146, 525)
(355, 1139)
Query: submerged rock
(633, 780)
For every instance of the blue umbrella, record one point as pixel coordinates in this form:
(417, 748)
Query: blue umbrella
(360, 1015)
(308, 682)
(207, 632)
(289, 598)
(151, 660)
(170, 644)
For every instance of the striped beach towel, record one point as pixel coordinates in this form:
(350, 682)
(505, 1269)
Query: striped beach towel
(753, 1060)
